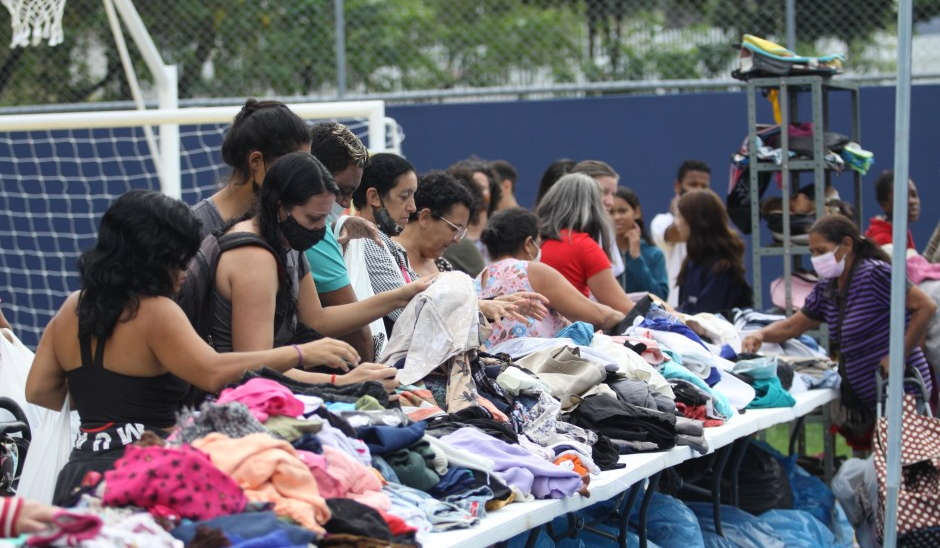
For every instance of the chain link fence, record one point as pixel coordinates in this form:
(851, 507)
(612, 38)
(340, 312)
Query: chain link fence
(426, 49)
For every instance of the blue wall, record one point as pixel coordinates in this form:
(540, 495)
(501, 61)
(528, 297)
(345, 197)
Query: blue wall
(645, 138)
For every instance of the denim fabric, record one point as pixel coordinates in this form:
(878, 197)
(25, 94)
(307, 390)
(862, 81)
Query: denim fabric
(441, 515)
(247, 526)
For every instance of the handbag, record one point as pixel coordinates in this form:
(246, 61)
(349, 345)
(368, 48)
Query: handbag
(919, 490)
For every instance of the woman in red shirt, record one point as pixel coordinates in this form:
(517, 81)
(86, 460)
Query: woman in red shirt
(575, 229)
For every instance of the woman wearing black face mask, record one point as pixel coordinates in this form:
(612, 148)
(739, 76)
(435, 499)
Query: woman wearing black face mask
(259, 297)
(386, 196)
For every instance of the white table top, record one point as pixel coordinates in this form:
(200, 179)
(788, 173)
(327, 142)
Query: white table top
(517, 518)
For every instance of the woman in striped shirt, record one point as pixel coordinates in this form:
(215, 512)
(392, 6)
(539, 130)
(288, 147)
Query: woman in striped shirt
(853, 297)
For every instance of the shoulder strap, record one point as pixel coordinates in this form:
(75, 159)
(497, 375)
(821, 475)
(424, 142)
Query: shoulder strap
(84, 345)
(233, 240)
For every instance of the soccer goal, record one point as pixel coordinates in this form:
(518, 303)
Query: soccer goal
(61, 171)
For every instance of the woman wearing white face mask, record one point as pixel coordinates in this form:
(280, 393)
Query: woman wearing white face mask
(512, 239)
(854, 299)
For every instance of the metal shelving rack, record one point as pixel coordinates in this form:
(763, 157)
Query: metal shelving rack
(790, 87)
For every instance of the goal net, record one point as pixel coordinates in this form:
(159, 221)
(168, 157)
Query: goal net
(58, 181)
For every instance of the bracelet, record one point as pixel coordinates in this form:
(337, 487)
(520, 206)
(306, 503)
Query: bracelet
(300, 356)
(333, 379)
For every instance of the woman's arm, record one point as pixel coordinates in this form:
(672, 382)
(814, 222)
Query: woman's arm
(794, 326)
(608, 291)
(922, 309)
(568, 301)
(45, 384)
(339, 320)
(177, 347)
(253, 294)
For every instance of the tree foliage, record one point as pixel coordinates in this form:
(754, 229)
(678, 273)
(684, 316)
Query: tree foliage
(237, 48)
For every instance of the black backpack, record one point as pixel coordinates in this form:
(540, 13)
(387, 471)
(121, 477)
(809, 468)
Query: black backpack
(195, 296)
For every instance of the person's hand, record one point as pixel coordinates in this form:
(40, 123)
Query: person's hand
(674, 206)
(34, 516)
(406, 292)
(633, 239)
(528, 304)
(329, 352)
(518, 306)
(367, 371)
(752, 342)
(357, 227)
(885, 365)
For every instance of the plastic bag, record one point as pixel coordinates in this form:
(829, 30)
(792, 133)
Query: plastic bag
(15, 361)
(47, 454)
(355, 258)
(670, 523)
(798, 529)
(851, 476)
(741, 529)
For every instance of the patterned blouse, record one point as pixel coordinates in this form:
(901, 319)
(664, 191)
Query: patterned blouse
(506, 277)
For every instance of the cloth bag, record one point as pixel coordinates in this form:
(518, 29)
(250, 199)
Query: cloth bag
(354, 255)
(919, 491)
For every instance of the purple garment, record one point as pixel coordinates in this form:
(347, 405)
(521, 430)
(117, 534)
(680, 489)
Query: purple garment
(517, 467)
(862, 334)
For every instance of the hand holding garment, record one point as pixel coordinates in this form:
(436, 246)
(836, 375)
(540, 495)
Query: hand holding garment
(439, 323)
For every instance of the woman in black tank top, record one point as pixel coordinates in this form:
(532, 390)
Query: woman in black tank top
(153, 354)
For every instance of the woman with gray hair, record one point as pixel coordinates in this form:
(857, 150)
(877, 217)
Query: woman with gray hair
(576, 231)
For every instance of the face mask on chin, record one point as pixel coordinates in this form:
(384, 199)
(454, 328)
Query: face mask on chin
(385, 222)
(299, 237)
(827, 266)
(538, 255)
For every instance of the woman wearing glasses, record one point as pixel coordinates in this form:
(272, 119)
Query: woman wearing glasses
(443, 208)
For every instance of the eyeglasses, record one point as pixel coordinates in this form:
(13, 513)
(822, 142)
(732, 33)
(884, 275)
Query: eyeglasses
(459, 231)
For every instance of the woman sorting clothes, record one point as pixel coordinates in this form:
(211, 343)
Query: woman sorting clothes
(512, 239)
(259, 306)
(443, 208)
(576, 232)
(124, 351)
(853, 297)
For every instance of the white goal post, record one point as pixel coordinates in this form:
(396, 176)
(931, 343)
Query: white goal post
(382, 134)
(59, 173)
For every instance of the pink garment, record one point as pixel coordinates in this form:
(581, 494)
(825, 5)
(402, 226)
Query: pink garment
(182, 479)
(330, 487)
(360, 483)
(920, 269)
(264, 398)
(653, 354)
(506, 277)
(270, 471)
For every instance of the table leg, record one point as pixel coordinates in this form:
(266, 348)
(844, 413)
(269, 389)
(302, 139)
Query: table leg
(644, 509)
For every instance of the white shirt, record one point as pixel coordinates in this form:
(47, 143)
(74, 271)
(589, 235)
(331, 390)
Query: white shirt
(675, 252)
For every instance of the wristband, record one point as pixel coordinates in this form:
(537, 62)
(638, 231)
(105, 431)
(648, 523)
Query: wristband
(333, 379)
(10, 508)
(300, 356)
